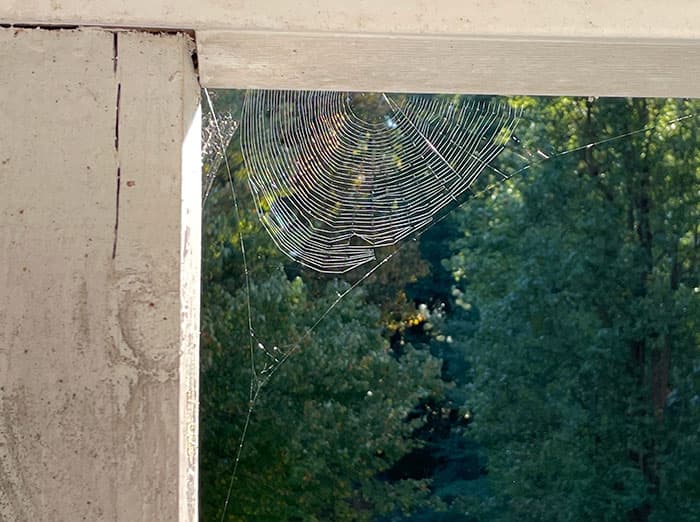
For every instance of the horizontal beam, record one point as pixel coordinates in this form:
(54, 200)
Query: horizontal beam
(545, 18)
(429, 63)
(589, 47)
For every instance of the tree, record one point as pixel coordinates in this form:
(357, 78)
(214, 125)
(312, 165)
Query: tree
(583, 277)
(333, 417)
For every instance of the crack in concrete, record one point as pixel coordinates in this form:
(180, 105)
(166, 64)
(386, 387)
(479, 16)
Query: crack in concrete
(115, 52)
(115, 60)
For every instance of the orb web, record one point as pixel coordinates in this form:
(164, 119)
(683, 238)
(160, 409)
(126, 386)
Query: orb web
(333, 180)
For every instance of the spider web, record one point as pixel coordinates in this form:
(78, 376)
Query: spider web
(218, 129)
(332, 183)
(330, 187)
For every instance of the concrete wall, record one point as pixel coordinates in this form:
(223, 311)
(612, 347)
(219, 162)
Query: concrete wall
(99, 276)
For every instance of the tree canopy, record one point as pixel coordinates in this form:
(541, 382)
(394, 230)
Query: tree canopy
(533, 356)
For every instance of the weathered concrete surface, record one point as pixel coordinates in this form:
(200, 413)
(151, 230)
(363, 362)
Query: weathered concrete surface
(98, 319)
(573, 18)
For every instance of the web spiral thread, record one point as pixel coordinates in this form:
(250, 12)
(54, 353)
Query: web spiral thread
(330, 186)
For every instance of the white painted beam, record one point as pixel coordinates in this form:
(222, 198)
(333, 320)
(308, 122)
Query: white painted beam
(595, 47)
(646, 19)
(476, 65)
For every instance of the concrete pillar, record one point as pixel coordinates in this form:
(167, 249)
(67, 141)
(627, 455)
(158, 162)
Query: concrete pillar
(99, 276)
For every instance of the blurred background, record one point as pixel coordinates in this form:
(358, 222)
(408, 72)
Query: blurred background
(533, 355)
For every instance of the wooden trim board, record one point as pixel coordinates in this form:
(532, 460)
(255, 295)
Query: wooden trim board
(477, 65)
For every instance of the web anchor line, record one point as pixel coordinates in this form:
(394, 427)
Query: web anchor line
(544, 157)
(253, 390)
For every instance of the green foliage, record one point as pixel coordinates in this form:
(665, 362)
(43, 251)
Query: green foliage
(333, 417)
(584, 276)
(538, 349)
